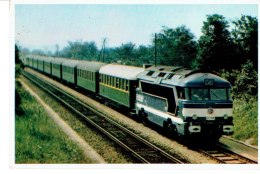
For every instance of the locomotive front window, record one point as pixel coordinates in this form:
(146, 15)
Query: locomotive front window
(218, 94)
(197, 94)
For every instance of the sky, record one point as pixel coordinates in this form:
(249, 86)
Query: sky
(44, 26)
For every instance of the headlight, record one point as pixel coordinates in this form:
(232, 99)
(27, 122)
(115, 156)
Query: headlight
(225, 116)
(194, 116)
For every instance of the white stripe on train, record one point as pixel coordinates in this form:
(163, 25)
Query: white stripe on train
(202, 112)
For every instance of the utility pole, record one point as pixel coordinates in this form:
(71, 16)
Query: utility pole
(57, 50)
(155, 49)
(102, 51)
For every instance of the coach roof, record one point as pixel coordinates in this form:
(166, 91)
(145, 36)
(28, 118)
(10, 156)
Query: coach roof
(90, 65)
(121, 71)
(70, 63)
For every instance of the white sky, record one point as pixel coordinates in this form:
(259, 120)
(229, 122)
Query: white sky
(43, 26)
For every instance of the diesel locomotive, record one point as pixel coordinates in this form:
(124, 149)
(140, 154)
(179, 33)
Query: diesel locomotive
(184, 102)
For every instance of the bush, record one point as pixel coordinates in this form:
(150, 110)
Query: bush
(245, 120)
(244, 82)
(18, 99)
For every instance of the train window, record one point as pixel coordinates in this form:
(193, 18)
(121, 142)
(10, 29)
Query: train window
(161, 74)
(218, 94)
(123, 84)
(109, 80)
(199, 94)
(161, 69)
(170, 76)
(127, 85)
(162, 92)
(187, 93)
(180, 92)
(150, 73)
(119, 85)
(209, 94)
(113, 81)
(117, 82)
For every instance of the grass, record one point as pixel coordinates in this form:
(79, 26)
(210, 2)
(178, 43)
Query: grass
(246, 120)
(37, 137)
(103, 146)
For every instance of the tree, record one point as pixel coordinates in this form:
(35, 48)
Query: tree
(245, 36)
(244, 81)
(80, 50)
(126, 51)
(177, 46)
(216, 50)
(17, 56)
(145, 55)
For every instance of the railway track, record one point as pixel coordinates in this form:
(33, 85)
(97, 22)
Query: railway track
(222, 155)
(141, 150)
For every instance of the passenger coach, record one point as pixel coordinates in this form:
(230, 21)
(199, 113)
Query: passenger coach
(69, 71)
(88, 75)
(118, 84)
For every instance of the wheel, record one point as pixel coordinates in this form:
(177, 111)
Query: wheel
(143, 117)
(170, 129)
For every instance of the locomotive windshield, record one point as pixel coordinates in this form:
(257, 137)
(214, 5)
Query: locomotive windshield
(197, 94)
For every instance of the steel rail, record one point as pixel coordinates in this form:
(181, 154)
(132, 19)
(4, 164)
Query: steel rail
(224, 156)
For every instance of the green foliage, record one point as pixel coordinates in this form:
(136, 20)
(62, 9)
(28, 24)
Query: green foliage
(245, 113)
(126, 51)
(37, 143)
(18, 108)
(244, 81)
(245, 36)
(17, 56)
(80, 50)
(215, 45)
(176, 46)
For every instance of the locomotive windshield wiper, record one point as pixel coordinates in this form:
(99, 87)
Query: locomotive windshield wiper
(211, 91)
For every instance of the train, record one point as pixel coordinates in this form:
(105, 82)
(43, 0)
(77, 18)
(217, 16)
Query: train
(182, 101)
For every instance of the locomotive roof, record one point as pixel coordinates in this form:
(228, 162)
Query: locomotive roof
(70, 63)
(179, 76)
(90, 65)
(121, 71)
